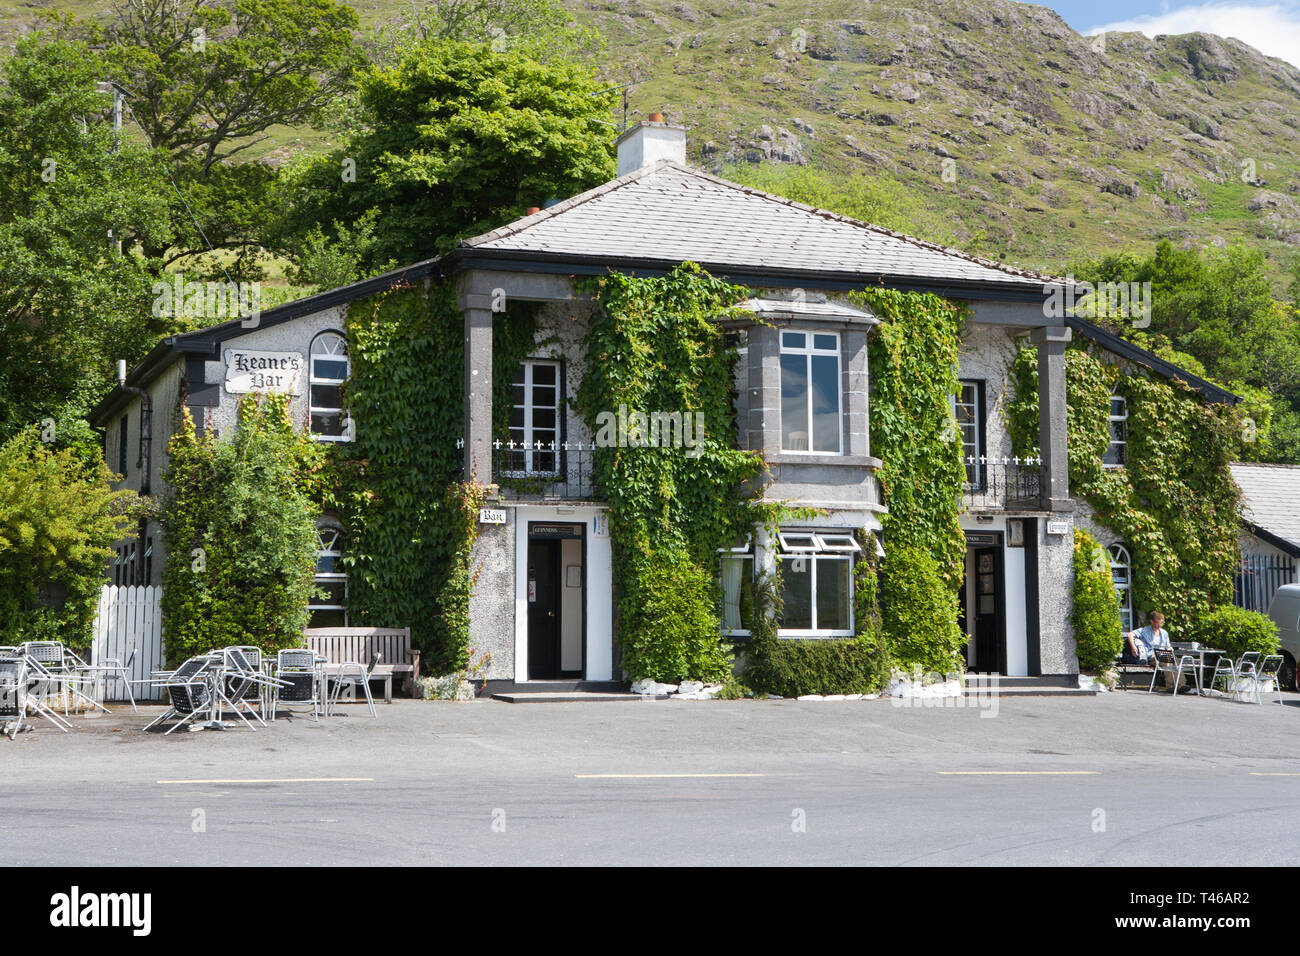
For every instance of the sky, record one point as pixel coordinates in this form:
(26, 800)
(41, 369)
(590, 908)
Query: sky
(1271, 26)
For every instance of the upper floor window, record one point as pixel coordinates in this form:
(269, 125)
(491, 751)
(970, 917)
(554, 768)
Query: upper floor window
(329, 370)
(1121, 572)
(816, 583)
(535, 418)
(810, 392)
(328, 608)
(121, 446)
(1117, 450)
(968, 406)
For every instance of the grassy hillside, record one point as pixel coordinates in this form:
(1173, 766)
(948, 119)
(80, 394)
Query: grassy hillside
(1002, 129)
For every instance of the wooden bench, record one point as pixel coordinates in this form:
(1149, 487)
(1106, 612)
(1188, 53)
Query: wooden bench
(339, 645)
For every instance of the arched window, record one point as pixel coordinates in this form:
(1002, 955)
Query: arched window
(1121, 572)
(329, 607)
(329, 370)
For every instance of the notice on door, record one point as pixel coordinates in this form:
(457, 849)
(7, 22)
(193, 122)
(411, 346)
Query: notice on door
(532, 591)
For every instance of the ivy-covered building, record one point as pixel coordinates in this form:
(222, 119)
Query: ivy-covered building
(501, 363)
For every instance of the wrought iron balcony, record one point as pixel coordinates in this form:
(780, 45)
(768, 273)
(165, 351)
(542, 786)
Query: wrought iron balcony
(1002, 483)
(543, 470)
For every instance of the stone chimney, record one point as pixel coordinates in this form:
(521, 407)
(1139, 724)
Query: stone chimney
(649, 141)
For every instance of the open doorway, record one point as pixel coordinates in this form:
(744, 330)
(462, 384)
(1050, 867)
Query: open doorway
(983, 603)
(556, 609)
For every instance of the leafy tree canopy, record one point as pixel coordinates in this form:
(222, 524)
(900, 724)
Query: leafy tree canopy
(70, 302)
(1216, 315)
(456, 139)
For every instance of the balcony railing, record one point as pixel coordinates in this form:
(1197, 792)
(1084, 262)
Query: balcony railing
(544, 469)
(1000, 483)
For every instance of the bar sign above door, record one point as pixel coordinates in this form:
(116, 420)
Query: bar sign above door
(491, 516)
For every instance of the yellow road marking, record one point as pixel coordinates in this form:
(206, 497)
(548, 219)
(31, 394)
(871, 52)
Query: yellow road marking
(657, 776)
(282, 780)
(1255, 773)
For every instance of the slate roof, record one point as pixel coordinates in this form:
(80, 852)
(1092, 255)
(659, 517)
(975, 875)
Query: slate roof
(1271, 499)
(669, 212)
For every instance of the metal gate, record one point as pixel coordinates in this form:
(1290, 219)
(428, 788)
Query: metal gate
(1257, 579)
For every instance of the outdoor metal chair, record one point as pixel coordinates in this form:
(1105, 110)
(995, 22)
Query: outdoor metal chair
(1176, 668)
(354, 674)
(189, 692)
(63, 672)
(235, 681)
(118, 668)
(253, 690)
(24, 686)
(298, 683)
(1225, 669)
(1269, 669)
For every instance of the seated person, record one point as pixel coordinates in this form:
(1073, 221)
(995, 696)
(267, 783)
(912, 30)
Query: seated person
(1140, 644)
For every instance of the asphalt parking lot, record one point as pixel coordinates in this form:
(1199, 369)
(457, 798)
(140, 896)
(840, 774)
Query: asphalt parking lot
(1122, 778)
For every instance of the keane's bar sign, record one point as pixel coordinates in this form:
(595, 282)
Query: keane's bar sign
(279, 372)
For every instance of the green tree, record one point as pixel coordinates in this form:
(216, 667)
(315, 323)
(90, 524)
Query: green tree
(1216, 314)
(70, 302)
(58, 519)
(207, 81)
(240, 533)
(456, 139)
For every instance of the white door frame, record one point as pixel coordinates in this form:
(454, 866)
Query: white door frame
(599, 595)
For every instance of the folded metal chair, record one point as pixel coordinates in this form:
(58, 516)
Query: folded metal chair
(242, 683)
(63, 665)
(23, 689)
(354, 674)
(189, 690)
(297, 682)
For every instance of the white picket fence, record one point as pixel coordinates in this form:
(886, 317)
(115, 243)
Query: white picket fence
(129, 617)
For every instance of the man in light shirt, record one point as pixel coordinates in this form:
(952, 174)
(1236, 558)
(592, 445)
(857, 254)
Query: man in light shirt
(1140, 644)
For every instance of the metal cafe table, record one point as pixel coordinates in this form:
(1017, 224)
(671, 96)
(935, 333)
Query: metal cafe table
(1206, 658)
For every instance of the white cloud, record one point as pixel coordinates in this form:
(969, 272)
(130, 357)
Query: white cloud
(1271, 28)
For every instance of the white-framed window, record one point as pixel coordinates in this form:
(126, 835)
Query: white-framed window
(535, 419)
(1121, 572)
(811, 419)
(329, 609)
(329, 369)
(968, 407)
(816, 583)
(737, 571)
(1117, 450)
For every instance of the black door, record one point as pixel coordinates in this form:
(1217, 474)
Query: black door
(990, 640)
(543, 609)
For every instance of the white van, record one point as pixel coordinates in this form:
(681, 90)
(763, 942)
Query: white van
(1284, 609)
